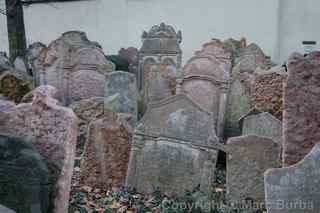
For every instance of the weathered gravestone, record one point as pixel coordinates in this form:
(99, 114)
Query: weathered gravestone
(4, 209)
(301, 107)
(121, 94)
(167, 153)
(106, 154)
(54, 132)
(249, 58)
(74, 65)
(24, 177)
(205, 79)
(295, 189)
(248, 158)
(87, 110)
(161, 47)
(262, 124)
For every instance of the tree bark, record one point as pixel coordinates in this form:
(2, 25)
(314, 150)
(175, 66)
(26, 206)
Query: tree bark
(16, 29)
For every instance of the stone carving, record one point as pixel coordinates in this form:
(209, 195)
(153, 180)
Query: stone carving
(295, 189)
(74, 65)
(106, 155)
(121, 94)
(205, 78)
(87, 110)
(54, 132)
(167, 153)
(248, 158)
(301, 103)
(24, 177)
(262, 124)
(161, 45)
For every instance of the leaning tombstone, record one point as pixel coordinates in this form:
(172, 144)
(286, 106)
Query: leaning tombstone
(248, 158)
(295, 189)
(168, 154)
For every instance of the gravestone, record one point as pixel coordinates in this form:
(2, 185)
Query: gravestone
(106, 154)
(238, 104)
(87, 110)
(301, 107)
(24, 177)
(205, 79)
(74, 65)
(295, 189)
(121, 94)
(161, 46)
(248, 158)
(250, 57)
(54, 131)
(167, 153)
(262, 124)
(33, 57)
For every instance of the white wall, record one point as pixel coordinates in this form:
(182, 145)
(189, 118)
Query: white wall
(202, 20)
(298, 22)
(119, 23)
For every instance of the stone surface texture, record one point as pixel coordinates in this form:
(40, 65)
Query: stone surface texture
(106, 154)
(87, 110)
(74, 65)
(295, 189)
(205, 79)
(121, 94)
(166, 152)
(24, 177)
(248, 158)
(161, 46)
(301, 104)
(262, 124)
(54, 131)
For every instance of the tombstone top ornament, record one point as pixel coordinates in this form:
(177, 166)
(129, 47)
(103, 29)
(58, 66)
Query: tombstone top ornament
(161, 39)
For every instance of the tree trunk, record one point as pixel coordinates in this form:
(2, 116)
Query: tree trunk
(16, 30)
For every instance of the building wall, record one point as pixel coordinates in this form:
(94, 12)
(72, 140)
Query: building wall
(298, 22)
(278, 26)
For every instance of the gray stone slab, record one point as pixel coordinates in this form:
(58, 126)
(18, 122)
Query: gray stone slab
(295, 189)
(262, 124)
(248, 158)
(122, 87)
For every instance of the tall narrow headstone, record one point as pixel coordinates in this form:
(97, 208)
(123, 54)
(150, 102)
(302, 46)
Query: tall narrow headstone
(301, 107)
(121, 94)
